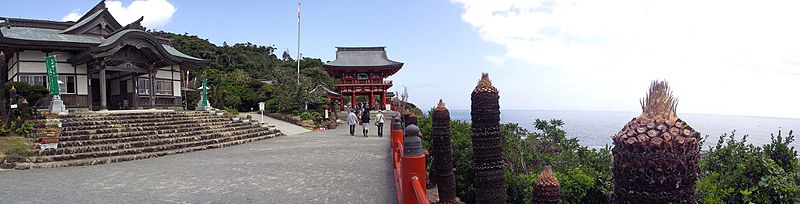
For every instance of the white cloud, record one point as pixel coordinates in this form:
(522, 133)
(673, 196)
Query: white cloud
(714, 51)
(496, 60)
(157, 13)
(72, 16)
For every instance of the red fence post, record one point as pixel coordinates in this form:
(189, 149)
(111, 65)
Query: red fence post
(412, 164)
(397, 132)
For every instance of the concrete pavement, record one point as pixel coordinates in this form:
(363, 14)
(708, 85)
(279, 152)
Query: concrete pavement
(310, 167)
(285, 127)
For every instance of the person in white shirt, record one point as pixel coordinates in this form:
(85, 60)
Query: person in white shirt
(352, 120)
(379, 123)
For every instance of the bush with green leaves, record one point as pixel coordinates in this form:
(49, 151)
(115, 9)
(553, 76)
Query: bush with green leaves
(733, 171)
(24, 129)
(33, 93)
(585, 174)
(308, 115)
(232, 111)
(4, 129)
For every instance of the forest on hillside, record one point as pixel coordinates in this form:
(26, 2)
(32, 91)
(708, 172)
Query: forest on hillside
(236, 73)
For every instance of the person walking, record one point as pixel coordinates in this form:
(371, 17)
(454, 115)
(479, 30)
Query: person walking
(365, 121)
(352, 120)
(379, 123)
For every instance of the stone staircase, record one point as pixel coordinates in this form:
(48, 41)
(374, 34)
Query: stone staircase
(106, 138)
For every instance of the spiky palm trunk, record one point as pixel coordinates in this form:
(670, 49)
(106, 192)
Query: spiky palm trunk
(546, 189)
(487, 143)
(656, 154)
(443, 154)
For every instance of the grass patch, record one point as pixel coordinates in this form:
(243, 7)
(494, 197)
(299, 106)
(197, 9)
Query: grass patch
(15, 146)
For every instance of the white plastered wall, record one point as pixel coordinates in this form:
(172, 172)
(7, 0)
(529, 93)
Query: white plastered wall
(81, 69)
(176, 86)
(82, 85)
(31, 55)
(32, 67)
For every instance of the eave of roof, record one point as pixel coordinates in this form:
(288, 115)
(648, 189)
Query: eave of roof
(175, 52)
(46, 35)
(97, 14)
(362, 57)
(326, 89)
(83, 22)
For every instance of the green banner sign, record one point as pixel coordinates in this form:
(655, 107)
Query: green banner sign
(52, 75)
(205, 93)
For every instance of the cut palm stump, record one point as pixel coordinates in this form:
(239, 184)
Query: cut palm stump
(656, 154)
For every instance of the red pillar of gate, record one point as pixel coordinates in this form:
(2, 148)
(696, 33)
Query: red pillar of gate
(341, 103)
(353, 101)
(371, 100)
(383, 100)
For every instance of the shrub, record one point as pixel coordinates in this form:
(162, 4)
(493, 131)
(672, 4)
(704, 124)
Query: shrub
(232, 111)
(24, 129)
(736, 172)
(34, 93)
(308, 115)
(585, 174)
(4, 129)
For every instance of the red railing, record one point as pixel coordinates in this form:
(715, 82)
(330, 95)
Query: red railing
(409, 172)
(419, 191)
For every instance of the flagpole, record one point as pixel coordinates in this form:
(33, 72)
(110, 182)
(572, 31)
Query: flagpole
(298, 42)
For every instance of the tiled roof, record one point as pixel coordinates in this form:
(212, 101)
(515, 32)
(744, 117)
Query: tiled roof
(362, 57)
(174, 52)
(81, 23)
(43, 34)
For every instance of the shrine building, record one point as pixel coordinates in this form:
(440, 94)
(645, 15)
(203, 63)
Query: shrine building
(100, 63)
(362, 71)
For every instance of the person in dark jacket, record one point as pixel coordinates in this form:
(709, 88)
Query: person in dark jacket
(365, 121)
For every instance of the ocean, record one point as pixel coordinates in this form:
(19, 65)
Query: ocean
(595, 128)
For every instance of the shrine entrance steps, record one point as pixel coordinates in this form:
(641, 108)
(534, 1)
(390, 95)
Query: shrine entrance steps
(102, 138)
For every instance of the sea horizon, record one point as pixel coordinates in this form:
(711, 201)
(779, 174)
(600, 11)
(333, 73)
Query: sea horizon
(595, 128)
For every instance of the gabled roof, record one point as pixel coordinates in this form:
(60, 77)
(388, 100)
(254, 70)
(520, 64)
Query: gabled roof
(362, 57)
(101, 17)
(326, 89)
(114, 43)
(84, 37)
(100, 6)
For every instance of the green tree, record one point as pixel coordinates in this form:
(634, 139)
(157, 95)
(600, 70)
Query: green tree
(235, 74)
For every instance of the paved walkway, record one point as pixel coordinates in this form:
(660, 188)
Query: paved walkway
(311, 167)
(285, 127)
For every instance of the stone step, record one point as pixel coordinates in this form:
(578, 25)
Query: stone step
(143, 141)
(130, 157)
(70, 129)
(151, 131)
(135, 142)
(128, 115)
(114, 120)
(111, 130)
(136, 136)
(224, 137)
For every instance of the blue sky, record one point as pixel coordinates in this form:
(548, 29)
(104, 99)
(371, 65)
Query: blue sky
(721, 58)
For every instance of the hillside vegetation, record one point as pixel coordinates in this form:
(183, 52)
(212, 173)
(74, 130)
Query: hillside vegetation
(235, 74)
